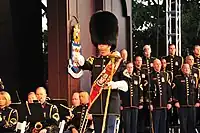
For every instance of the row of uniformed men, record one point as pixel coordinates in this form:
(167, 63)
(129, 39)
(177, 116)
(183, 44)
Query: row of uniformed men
(159, 84)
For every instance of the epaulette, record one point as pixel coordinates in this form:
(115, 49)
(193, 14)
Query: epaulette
(90, 59)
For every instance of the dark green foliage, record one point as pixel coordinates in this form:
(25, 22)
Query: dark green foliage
(147, 15)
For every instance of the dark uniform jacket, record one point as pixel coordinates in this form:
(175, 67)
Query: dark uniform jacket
(186, 92)
(174, 64)
(160, 89)
(143, 74)
(147, 63)
(8, 120)
(51, 118)
(197, 62)
(96, 65)
(195, 72)
(79, 116)
(134, 96)
(171, 75)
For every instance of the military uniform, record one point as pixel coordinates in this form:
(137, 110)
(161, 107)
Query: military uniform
(51, 118)
(142, 113)
(174, 64)
(195, 72)
(130, 102)
(172, 116)
(160, 96)
(197, 62)
(186, 94)
(96, 66)
(8, 120)
(147, 63)
(104, 31)
(79, 116)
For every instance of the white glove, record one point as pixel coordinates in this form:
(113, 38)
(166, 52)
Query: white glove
(121, 85)
(112, 84)
(80, 60)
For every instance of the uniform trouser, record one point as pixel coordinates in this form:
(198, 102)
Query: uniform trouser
(187, 119)
(121, 125)
(159, 120)
(130, 117)
(143, 119)
(112, 123)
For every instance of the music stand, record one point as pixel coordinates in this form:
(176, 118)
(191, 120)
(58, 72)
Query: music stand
(31, 112)
(63, 112)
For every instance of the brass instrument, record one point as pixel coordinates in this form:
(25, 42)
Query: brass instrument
(71, 115)
(38, 126)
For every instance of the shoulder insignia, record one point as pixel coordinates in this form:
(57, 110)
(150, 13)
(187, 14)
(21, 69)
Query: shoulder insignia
(90, 59)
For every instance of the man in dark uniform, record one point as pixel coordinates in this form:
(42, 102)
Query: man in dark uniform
(164, 69)
(51, 115)
(104, 31)
(193, 70)
(196, 73)
(132, 100)
(142, 73)
(174, 62)
(186, 99)
(124, 55)
(79, 113)
(196, 52)
(160, 96)
(147, 61)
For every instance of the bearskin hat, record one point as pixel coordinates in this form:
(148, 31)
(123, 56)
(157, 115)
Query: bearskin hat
(104, 29)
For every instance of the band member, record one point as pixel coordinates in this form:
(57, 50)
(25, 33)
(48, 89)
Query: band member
(172, 114)
(75, 103)
(186, 99)
(193, 70)
(8, 116)
(196, 52)
(160, 96)
(50, 124)
(174, 62)
(142, 73)
(75, 99)
(79, 115)
(124, 55)
(164, 69)
(147, 58)
(104, 31)
(132, 100)
(31, 97)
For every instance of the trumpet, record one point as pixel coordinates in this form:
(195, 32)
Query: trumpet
(37, 128)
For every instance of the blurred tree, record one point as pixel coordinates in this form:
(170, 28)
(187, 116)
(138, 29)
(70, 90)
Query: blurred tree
(145, 24)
